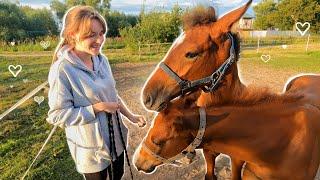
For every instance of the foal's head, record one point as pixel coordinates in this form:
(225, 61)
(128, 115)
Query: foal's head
(197, 52)
(172, 131)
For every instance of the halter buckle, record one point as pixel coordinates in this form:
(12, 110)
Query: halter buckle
(214, 80)
(185, 86)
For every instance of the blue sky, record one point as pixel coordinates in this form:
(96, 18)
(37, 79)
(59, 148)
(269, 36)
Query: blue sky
(134, 6)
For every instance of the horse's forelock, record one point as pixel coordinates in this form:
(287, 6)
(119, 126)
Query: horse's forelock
(199, 16)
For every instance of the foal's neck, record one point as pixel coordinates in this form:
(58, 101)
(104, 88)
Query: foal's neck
(229, 87)
(251, 133)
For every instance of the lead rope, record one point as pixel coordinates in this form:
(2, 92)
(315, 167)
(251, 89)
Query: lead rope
(124, 145)
(112, 144)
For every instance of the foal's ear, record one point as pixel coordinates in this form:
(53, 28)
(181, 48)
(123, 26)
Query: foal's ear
(225, 23)
(190, 100)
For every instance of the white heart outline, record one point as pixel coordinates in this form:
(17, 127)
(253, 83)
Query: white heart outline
(302, 25)
(263, 56)
(15, 74)
(45, 44)
(38, 99)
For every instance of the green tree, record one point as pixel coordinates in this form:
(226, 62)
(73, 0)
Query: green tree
(59, 8)
(154, 27)
(265, 12)
(12, 22)
(21, 22)
(284, 14)
(292, 11)
(39, 22)
(117, 20)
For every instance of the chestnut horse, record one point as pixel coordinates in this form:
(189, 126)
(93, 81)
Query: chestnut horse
(207, 51)
(278, 136)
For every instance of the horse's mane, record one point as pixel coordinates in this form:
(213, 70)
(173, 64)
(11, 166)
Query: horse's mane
(199, 15)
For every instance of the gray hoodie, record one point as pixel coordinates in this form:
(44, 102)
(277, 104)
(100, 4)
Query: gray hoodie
(73, 90)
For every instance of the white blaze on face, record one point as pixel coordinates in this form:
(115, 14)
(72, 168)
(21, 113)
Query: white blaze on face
(178, 41)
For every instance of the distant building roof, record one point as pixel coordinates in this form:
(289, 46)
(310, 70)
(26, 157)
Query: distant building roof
(248, 16)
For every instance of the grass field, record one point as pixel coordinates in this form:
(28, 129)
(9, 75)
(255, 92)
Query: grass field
(24, 130)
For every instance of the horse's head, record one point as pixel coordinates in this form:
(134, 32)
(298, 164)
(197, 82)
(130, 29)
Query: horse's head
(172, 131)
(198, 52)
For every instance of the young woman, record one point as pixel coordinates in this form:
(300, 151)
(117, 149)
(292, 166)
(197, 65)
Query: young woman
(83, 98)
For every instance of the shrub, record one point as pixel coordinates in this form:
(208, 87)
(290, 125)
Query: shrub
(154, 27)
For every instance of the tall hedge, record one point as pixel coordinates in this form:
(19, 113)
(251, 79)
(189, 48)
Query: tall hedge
(154, 27)
(18, 23)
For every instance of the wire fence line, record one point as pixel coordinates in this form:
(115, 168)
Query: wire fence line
(257, 43)
(15, 106)
(23, 99)
(145, 49)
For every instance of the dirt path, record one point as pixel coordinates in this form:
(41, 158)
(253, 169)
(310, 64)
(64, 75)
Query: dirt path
(27, 54)
(130, 79)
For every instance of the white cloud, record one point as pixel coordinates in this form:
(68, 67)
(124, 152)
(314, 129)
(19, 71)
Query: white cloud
(255, 3)
(134, 6)
(224, 3)
(36, 5)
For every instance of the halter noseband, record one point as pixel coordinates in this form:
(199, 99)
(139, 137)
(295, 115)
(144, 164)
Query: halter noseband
(208, 84)
(196, 142)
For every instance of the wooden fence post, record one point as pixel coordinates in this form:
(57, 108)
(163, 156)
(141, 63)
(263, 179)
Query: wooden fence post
(308, 43)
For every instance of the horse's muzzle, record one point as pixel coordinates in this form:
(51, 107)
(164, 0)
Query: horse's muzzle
(149, 170)
(153, 102)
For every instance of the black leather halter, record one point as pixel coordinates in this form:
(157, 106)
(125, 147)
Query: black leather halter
(208, 84)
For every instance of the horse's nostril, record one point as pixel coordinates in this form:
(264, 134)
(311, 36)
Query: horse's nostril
(138, 168)
(150, 169)
(147, 101)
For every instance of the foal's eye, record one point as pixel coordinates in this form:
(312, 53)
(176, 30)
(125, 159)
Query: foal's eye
(192, 55)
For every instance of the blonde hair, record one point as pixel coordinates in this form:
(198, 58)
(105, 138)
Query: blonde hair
(77, 19)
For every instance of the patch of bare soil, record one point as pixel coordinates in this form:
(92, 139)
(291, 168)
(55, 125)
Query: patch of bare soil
(130, 78)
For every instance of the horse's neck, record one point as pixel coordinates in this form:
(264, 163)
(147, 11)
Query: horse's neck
(231, 86)
(248, 132)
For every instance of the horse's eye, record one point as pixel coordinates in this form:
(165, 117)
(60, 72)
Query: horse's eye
(157, 142)
(192, 55)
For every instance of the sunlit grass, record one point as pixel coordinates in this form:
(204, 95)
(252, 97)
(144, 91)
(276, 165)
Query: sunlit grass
(293, 58)
(24, 130)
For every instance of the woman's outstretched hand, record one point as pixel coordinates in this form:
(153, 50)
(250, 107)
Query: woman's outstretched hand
(110, 107)
(138, 119)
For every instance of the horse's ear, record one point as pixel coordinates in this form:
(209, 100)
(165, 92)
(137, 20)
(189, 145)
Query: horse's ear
(225, 23)
(212, 12)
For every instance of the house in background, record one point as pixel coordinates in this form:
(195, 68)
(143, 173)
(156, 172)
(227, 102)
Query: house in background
(245, 25)
(246, 22)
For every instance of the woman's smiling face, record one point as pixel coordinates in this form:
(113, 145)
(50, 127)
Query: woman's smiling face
(92, 43)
